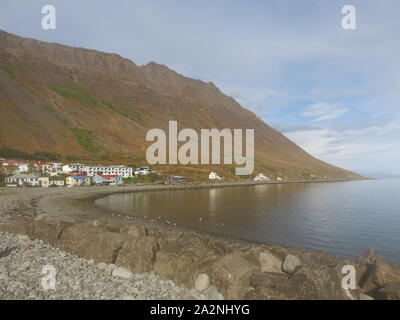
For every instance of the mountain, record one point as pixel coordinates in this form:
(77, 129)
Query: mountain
(378, 175)
(90, 105)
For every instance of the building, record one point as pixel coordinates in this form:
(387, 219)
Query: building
(143, 170)
(43, 167)
(120, 170)
(23, 180)
(2, 160)
(76, 166)
(110, 180)
(214, 176)
(23, 167)
(261, 177)
(66, 169)
(56, 182)
(78, 173)
(178, 179)
(48, 168)
(10, 163)
(46, 182)
(75, 181)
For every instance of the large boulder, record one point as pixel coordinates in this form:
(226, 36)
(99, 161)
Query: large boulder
(390, 291)
(304, 284)
(136, 230)
(122, 273)
(290, 264)
(269, 262)
(231, 275)
(202, 282)
(376, 274)
(183, 259)
(266, 279)
(138, 254)
(90, 242)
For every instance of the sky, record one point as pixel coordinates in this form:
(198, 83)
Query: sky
(334, 92)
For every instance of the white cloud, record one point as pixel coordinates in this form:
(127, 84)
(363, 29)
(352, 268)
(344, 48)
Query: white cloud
(323, 111)
(371, 148)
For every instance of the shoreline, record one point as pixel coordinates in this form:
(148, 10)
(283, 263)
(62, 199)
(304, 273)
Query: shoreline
(69, 220)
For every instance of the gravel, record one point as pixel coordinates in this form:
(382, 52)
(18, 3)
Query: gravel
(26, 266)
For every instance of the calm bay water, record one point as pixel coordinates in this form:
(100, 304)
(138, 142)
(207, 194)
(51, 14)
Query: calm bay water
(344, 218)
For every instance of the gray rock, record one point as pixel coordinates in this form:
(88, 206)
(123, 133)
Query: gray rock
(122, 273)
(212, 293)
(269, 262)
(202, 282)
(290, 264)
(365, 297)
(390, 291)
(3, 272)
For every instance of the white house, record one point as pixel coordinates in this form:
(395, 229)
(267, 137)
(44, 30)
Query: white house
(139, 171)
(66, 169)
(119, 170)
(23, 167)
(214, 176)
(77, 166)
(43, 167)
(23, 179)
(279, 179)
(261, 177)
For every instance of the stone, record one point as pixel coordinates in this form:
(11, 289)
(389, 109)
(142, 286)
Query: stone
(231, 275)
(368, 257)
(122, 273)
(3, 272)
(363, 296)
(269, 262)
(22, 238)
(378, 275)
(212, 293)
(128, 298)
(390, 291)
(264, 279)
(102, 265)
(385, 273)
(202, 282)
(182, 259)
(41, 217)
(87, 241)
(138, 254)
(137, 230)
(290, 264)
(265, 293)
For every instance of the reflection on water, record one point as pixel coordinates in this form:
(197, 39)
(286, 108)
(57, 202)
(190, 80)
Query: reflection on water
(344, 218)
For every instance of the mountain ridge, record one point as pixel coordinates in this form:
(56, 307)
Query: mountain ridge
(89, 104)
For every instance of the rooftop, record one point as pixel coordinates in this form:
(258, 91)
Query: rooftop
(78, 177)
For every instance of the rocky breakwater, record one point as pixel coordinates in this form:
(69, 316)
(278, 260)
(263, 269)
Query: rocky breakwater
(213, 267)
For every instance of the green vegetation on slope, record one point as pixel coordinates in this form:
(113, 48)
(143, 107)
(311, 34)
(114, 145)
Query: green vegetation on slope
(7, 70)
(86, 140)
(123, 110)
(7, 153)
(72, 91)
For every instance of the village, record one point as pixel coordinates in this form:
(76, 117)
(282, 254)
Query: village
(56, 174)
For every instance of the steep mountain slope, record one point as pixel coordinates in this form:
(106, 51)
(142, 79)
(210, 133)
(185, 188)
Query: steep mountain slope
(93, 105)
